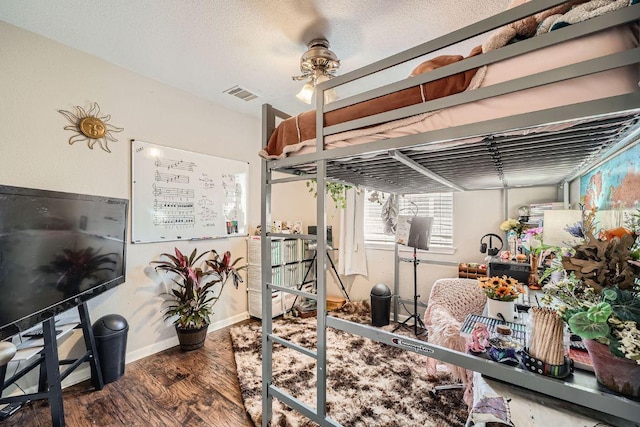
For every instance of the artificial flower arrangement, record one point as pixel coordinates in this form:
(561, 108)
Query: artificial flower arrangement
(511, 224)
(501, 288)
(598, 294)
(532, 240)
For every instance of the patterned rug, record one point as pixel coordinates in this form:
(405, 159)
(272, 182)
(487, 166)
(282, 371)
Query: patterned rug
(368, 383)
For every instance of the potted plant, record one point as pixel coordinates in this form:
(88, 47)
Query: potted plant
(501, 294)
(191, 300)
(599, 298)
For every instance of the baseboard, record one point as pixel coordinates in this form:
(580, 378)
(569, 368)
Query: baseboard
(84, 373)
(77, 376)
(173, 341)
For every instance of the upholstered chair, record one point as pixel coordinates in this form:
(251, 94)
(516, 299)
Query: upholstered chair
(450, 301)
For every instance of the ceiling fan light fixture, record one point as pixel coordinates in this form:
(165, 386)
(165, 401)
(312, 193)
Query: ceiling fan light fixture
(306, 93)
(318, 64)
(330, 96)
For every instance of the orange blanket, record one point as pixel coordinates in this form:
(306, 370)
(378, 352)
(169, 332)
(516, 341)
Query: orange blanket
(287, 132)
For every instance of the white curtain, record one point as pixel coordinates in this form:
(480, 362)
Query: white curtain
(353, 259)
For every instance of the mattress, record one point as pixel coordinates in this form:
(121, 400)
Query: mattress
(609, 83)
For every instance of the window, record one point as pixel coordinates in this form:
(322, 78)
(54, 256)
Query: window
(439, 206)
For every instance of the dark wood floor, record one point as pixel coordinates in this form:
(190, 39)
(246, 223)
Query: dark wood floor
(170, 388)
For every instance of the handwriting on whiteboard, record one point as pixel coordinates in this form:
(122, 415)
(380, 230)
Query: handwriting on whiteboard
(180, 195)
(174, 164)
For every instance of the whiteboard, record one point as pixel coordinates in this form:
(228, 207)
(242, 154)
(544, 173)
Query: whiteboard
(182, 195)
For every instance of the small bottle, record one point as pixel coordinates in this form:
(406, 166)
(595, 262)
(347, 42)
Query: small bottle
(512, 239)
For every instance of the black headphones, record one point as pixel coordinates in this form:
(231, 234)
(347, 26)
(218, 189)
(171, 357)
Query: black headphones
(490, 250)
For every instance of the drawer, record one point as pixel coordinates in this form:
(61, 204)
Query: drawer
(255, 303)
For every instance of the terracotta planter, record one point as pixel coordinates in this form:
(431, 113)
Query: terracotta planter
(191, 339)
(615, 373)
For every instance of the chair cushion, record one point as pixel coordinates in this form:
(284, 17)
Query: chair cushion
(450, 301)
(7, 351)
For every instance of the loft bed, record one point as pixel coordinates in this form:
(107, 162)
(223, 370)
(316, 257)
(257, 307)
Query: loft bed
(533, 141)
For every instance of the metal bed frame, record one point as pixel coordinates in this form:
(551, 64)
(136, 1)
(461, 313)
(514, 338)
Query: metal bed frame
(559, 158)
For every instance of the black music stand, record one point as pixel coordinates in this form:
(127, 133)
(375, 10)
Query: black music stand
(333, 267)
(312, 263)
(415, 232)
(312, 229)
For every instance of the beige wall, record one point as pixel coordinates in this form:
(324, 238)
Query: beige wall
(40, 77)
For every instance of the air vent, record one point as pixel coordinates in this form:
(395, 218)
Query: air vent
(241, 93)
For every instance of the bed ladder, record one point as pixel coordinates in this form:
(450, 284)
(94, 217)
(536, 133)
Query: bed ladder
(269, 390)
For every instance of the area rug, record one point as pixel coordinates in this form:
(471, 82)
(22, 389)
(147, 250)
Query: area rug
(368, 383)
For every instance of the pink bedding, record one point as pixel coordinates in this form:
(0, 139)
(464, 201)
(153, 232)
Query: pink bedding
(596, 86)
(297, 135)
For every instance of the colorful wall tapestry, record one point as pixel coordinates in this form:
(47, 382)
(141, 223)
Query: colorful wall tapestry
(615, 183)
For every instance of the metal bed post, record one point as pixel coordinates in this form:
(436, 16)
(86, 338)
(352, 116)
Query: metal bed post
(505, 205)
(321, 277)
(268, 124)
(566, 194)
(269, 390)
(321, 262)
(396, 281)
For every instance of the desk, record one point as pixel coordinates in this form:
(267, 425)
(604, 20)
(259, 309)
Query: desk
(532, 409)
(580, 386)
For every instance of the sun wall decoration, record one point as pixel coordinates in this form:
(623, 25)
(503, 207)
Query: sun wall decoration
(90, 127)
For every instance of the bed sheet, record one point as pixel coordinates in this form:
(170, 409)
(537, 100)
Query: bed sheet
(596, 86)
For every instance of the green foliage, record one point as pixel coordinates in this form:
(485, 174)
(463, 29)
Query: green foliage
(626, 306)
(599, 313)
(587, 327)
(610, 315)
(191, 301)
(602, 320)
(336, 190)
(632, 222)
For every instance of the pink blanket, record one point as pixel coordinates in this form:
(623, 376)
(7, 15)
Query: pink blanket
(294, 130)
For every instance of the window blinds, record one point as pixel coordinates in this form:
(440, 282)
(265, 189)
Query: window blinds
(439, 206)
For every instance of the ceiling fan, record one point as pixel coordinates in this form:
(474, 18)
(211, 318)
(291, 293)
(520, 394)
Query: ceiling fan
(318, 64)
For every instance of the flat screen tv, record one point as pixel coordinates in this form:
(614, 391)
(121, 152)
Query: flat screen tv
(57, 250)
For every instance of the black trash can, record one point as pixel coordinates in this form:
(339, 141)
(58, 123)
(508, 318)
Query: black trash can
(380, 305)
(110, 333)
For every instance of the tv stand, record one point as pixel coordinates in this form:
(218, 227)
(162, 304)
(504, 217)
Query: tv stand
(50, 377)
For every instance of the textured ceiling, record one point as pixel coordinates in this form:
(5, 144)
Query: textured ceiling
(207, 46)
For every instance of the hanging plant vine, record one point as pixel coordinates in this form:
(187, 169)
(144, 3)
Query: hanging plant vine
(336, 190)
